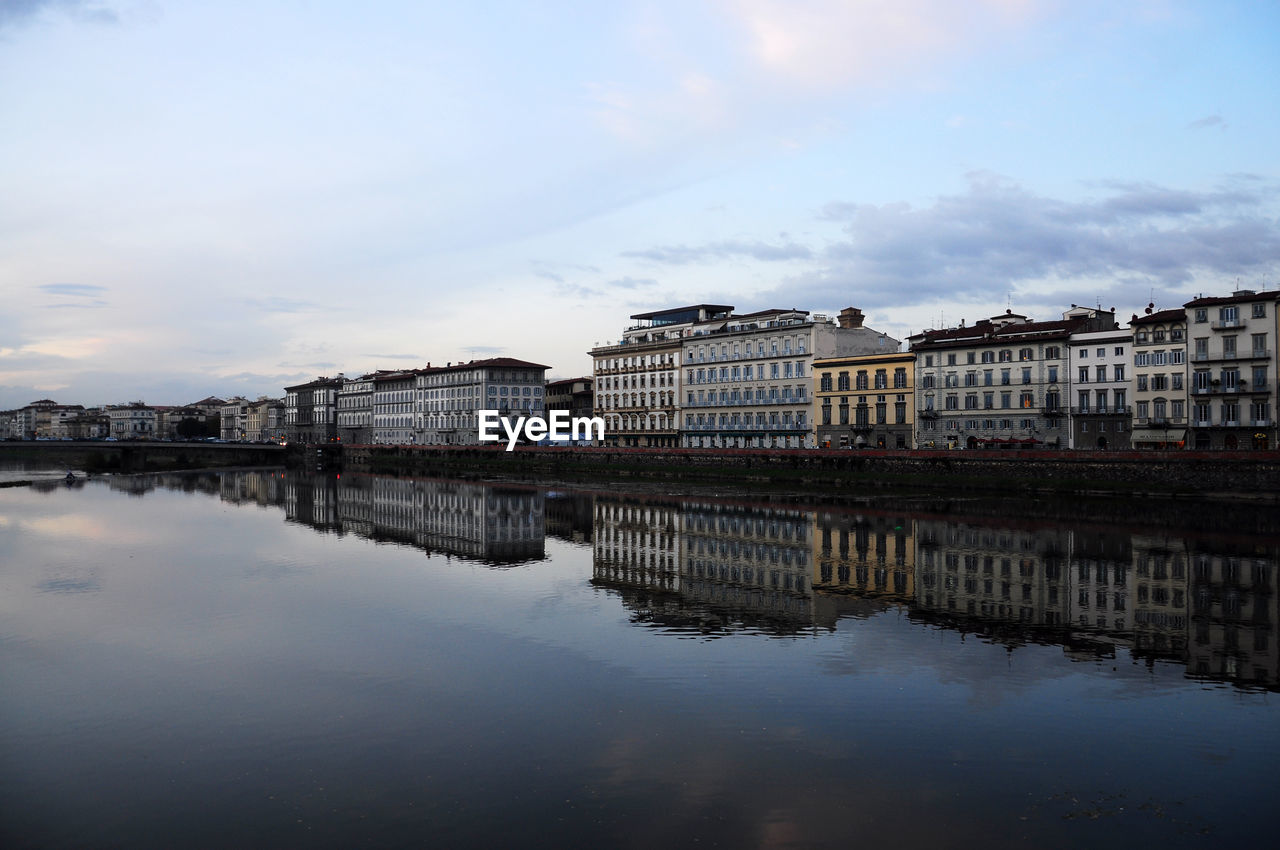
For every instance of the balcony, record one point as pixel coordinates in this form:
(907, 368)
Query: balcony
(1227, 324)
(928, 413)
(1262, 423)
(1056, 411)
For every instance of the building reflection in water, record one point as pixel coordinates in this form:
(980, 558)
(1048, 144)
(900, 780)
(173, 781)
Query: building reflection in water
(495, 525)
(703, 566)
(706, 567)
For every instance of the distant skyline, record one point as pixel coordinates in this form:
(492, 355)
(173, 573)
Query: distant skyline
(224, 198)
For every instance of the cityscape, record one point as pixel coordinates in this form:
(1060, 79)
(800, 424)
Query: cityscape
(1205, 376)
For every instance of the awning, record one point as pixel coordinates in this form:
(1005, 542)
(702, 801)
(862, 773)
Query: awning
(1158, 435)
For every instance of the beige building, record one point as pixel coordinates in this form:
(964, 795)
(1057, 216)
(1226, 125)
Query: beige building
(864, 554)
(865, 401)
(1232, 345)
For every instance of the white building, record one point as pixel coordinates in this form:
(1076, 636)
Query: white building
(747, 380)
(392, 413)
(134, 421)
(447, 399)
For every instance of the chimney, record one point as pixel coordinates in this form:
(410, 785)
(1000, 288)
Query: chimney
(850, 317)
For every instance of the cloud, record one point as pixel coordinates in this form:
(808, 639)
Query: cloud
(631, 282)
(278, 304)
(997, 237)
(16, 12)
(832, 44)
(82, 289)
(1208, 121)
(392, 356)
(684, 254)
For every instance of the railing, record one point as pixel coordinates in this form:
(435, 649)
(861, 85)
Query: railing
(1226, 324)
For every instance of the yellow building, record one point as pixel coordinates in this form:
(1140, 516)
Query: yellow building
(866, 401)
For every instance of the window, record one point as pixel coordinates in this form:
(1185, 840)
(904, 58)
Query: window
(1102, 374)
(861, 380)
(1026, 354)
(1084, 375)
(1142, 383)
(1052, 353)
(1053, 374)
(1026, 376)
(826, 382)
(1259, 345)
(1259, 311)
(1202, 314)
(1119, 351)
(951, 360)
(1229, 315)
(988, 357)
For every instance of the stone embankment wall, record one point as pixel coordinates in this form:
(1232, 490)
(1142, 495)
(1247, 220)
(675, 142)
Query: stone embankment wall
(1239, 473)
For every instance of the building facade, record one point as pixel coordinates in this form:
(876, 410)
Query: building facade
(448, 399)
(866, 401)
(393, 399)
(134, 421)
(235, 420)
(1000, 383)
(1159, 382)
(310, 411)
(638, 380)
(355, 409)
(573, 395)
(1099, 374)
(747, 380)
(1232, 346)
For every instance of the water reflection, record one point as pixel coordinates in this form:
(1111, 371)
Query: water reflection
(710, 567)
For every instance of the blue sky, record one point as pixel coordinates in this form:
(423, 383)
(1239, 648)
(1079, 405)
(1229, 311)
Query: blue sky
(226, 197)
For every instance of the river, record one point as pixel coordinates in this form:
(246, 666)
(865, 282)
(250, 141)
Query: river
(286, 659)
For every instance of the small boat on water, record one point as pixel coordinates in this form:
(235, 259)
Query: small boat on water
(71, 477)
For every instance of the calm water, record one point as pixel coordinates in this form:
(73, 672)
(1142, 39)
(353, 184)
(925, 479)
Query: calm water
(262, 659)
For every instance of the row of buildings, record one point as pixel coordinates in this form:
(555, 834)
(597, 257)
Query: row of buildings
(1203, 376)
(236, 419)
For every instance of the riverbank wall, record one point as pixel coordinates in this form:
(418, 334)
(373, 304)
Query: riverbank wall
(1239, 474)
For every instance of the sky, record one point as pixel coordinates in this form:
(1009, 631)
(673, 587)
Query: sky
(225, 198)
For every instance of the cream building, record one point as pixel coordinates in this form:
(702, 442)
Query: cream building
(866, 401)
